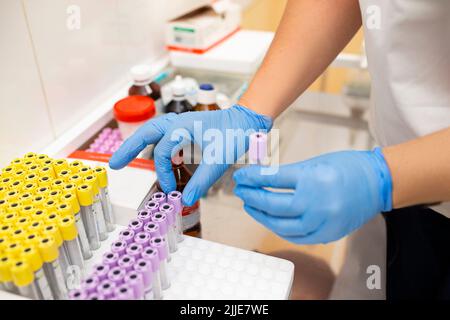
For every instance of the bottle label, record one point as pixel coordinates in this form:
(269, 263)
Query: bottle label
(191, 216)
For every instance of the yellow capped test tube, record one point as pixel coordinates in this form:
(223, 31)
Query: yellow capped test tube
(52, 230)
(30, 187)
(8, 171)
(43, 191)
(45, 181)
(92, 180)
(71, 242)
(55, 277)
(32, 239)
(32, 177)
(34, 168)
(17, 163)
(12, 195)
(85, 170)
(51, 205)
(39, 214)
(64, 174)
(10, 218)
(40, 158)
(39, 201)
(75, 166)
(6, 228)
(16, 185)
(13, 248)
(5, 273)
(26, 198)
(18, 234)
(52, 217)
(36, 226)
(31, 255)
(54, 194)
(57, 184)
(30, 155)
(76, 179)
(24, 222)
(27, 210)
(23, 278)
(19, 174)
(6, 181)
(47, 171)
(60, 165)
(85, 196)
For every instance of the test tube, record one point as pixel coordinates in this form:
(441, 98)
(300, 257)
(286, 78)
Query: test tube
(104, 197)
(71, 242)
(135, 225)
(161, 219)
(151, 254)
(78, 294)
(257, 147)
(86, 196)
(52, 230)
(152, 206)
(32, 256)
(76, 211)
(126, 262)
(159, 197)
(124, 292)
(159, 244)
(49, 253)
(144, 216)
(90, 284)
(5, 274)
(119, 247)
(172, 240)
(144, 267)
(101, 271)
(143, 238)
(96, 296)
(136, 281)
(23, 278)
(174, 198)
(97, 206)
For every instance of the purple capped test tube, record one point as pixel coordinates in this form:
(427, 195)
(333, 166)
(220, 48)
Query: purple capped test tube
(159, 244)
(90, 284)
(169, 210)
(127, 235)
(117, 275)
(135, 225)
(136, 281)
(257, 147)
(153, 229)
(101, 271)
(96, 296)
(142, 238)
(119, 247)
(161, 219)
(174, 198)
(159, 197)
(78, 294)
(126, 262)
(124, 292)
(135, 250)
(151, 254)
(106, 288)
(144, 216)
(145, 268)
(152, 206)
(110, 259)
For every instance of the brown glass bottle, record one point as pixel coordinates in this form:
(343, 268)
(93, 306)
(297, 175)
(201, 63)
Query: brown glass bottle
(144, 86)
(191, 215)
(178, 103)
(206, 98)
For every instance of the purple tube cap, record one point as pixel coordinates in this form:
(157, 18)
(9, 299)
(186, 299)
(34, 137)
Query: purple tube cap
(153, 229)
(124, 292)
(160, 244)
(136, 225)
(142, 238)
(145, 268)
(159, 197)
(126, 262)
(135, 250)
(117, 275)
(100, 271)
(78, 294)
(144, 216)
(127, 235)
(119, 247)
(152, 206)
(110, 259)
(174, 198)
(161, 219)
(96, 296)
(169, 210)
(106, 288)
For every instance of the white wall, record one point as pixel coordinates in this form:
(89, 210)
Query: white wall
(53, 73)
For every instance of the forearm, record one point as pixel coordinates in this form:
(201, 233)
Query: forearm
(311, 34)
(420, 170)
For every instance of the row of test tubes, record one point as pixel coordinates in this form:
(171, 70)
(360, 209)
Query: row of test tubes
(108, 141)
(53, 214)
(135, 267)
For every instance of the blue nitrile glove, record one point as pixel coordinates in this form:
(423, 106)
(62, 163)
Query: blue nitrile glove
(163, 132)
(327, 197)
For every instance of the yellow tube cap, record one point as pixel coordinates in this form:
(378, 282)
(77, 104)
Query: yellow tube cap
(85, 170)
(31, 255)
(21, 273)
(85, 194)
(68, 228)
(10, 218)
(7, 171)
(75, 166)
(39, 214)
(17, 163)
(3, 243)
(52, 230)
(65, 174)
(18, 234)
(30, 155)
(32, 240)
(38, 201)
(13, 249)
(30, 187)
(65, 209)
(36, 227)
(93, 182)
(54, 194)
(48, 249)
(5, 268)
(14, 206)
(45, 181)
(16, 185)
(72, 200)
(102, 176)
(51, 218)
(27, 210)
(6, 228)
(24, 222)
(76, 179)
(58, 184)
(33, 168)
(12, 195)
(51, 205)
(3, 191)
(19, 174)
(26, 198)
(32, 177)
(60, 165)
(43, 191)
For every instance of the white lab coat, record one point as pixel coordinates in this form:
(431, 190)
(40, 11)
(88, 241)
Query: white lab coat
(408, 50)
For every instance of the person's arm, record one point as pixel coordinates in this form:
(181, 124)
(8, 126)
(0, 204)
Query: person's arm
(310, 35)
(420, 170)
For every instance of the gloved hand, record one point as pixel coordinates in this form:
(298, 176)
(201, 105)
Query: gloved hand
(327, 197)
(167, 133)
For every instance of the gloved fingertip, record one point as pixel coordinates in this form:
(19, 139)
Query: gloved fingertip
(115, 163)
(189, 198)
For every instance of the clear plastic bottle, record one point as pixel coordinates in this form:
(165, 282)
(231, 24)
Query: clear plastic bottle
(206, 98)
(144, 86)
(179, 103)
